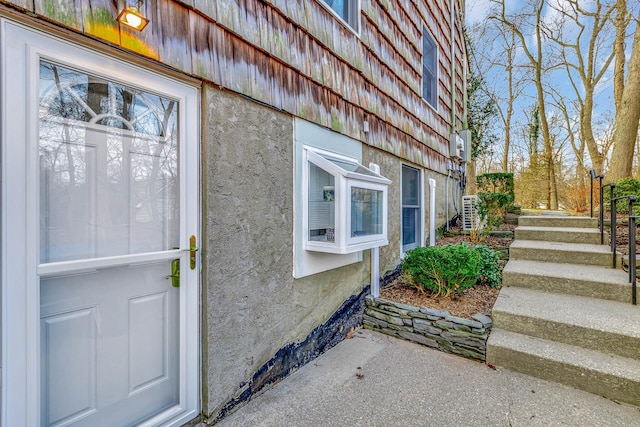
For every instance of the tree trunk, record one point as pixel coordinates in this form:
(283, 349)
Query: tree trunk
(507, 122)
(586, 117)
(471, 178)
(627, 118)
(552, 192)
(618, 48)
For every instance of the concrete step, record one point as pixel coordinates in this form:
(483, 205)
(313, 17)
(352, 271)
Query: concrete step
(560, 252)
(558, 221)
(608, 326)
(575, 279)
(613, 377)
(558, 234)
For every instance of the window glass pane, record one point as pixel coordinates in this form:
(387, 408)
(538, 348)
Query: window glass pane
(340, 6)
(411, 197)
(321, 205)
(410, 186)
(366, 212)
(428, 51)
(409, 227)
(353, 167)
(347, 10)
(108, 168)
(429, 67)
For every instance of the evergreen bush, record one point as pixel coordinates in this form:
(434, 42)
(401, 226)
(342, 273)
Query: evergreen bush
(443, 270)
(490, 272)
(624, 187)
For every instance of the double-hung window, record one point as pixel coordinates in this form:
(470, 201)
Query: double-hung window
(429, 68)
(411, 208)
(346, 204)
(347, 10)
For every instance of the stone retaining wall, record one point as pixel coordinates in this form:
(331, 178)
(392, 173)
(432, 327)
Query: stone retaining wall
(433, 328)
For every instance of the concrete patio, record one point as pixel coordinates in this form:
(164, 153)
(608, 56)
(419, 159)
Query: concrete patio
(376, 380)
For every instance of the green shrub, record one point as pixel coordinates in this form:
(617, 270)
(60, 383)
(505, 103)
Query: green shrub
(490, 272)
(624, 187)
(497, 182)
(442, 269)
(496, 189)
(451, 268)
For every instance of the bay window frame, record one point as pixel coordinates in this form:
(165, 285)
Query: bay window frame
(344, 180)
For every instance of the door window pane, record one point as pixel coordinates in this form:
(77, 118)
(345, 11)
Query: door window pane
(108, 168)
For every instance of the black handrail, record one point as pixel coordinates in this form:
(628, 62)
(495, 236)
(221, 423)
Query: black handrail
(632, 256)
(613, 222)
(632, 237)
(614, 203)
(601, 213)
(592, 173)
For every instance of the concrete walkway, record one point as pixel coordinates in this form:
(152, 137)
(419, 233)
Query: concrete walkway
(376, 380)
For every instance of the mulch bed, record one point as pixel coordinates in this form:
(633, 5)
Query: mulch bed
(479, 299)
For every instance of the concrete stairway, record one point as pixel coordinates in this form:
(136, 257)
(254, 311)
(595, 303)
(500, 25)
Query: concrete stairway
(564, 314)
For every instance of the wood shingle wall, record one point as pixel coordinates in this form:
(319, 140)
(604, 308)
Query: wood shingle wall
(298, 57)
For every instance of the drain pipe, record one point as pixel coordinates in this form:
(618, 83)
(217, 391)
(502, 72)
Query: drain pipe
(375, 254)
(432, 212)
(375, 272)
(446, 194)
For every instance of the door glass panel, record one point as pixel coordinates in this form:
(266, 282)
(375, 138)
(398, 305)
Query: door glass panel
(108, 168)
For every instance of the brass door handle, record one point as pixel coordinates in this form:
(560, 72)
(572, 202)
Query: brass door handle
(192, 252)
(175, 273)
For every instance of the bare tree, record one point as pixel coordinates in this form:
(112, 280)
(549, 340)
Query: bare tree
(535, 56)
(497, 56)
(621, 23)
(627, 117)
(586, 58)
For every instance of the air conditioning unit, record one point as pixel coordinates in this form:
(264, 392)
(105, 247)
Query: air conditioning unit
(470, 216)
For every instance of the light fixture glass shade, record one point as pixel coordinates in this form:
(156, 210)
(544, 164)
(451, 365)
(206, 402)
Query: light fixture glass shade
(131, 17)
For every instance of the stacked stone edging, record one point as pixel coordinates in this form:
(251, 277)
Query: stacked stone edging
(426, 326)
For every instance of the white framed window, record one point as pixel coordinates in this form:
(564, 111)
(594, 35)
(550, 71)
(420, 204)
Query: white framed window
(429, 68)
(347, 10)
(345, 204)
(412, 217)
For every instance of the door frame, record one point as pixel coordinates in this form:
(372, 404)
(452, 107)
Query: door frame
(20, 322)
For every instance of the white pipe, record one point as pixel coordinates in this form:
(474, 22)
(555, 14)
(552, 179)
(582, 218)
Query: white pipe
(432, 212)
(375, 272)
(375, 255)
(446, 196)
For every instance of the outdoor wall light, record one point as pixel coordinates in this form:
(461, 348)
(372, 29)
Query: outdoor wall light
(132, 17)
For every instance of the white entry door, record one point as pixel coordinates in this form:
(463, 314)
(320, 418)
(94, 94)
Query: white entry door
(100, 202)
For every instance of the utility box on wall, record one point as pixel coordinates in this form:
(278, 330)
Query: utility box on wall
(456, 145)
(465, 136)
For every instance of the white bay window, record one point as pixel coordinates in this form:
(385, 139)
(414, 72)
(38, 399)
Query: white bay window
(346, 204)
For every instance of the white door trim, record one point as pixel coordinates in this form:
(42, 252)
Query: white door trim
(21, 50)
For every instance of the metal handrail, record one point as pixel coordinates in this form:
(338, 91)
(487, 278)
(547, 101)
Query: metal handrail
(614, 203)
(592, 173)
(632, 236)
(632, 256)
(600, 177)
